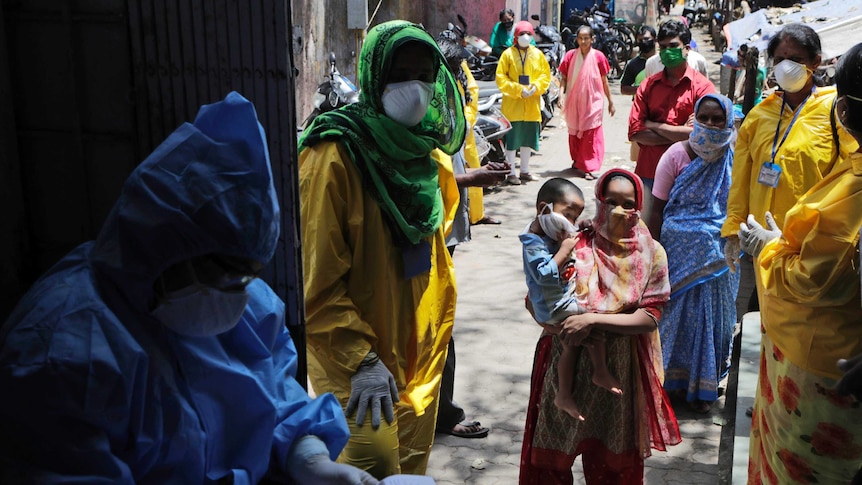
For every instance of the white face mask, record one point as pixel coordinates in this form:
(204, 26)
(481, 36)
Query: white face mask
(200, 311)
(555, 225)
(791, 76)
(524, 40)
(407, 102)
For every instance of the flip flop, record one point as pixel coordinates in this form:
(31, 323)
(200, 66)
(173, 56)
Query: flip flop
(479, 432)
(590, 176)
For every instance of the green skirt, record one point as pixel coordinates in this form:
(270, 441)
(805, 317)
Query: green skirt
(523, 134)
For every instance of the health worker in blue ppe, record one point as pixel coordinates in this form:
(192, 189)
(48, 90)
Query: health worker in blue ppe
(153, 354)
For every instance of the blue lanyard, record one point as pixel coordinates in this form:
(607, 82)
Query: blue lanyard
(523, 59)
(775, 144)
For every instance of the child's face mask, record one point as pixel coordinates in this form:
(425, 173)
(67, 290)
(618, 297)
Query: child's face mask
(555, 225)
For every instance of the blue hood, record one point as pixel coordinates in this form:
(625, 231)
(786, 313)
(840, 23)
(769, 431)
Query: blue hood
(206, 189)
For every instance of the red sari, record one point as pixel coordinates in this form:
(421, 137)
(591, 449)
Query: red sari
(620, 268)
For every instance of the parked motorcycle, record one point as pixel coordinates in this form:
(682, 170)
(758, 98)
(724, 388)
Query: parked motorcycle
(549, 41)
(694, 11)
(482, 64)
(612, 47)
(490, 128)
(333, 93)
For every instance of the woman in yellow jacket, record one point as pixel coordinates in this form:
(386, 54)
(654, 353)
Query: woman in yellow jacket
(808, 279)
(787, 143)
(523, 75)
(376, 194)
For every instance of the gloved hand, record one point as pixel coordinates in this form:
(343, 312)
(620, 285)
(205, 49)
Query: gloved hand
(753, 236)
(526, 93)
(407, 480)
(731, 252)
(374, 383)
(309, 462)
(851, 381)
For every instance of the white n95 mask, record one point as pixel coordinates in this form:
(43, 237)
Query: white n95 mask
(407, 102)
(524, 40)
(200, 311)
(555, 225)
(791, 76)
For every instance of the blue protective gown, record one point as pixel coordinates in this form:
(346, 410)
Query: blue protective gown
(95, 390)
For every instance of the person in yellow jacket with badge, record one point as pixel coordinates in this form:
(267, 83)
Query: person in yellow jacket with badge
(523, 75)
(786, 144)
(471, 152)
(376, 196)
(805, 424)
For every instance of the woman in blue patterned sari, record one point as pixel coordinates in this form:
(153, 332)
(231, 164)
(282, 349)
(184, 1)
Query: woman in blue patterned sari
(691, 185)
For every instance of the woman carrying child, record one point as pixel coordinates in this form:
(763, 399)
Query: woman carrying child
(621, 280)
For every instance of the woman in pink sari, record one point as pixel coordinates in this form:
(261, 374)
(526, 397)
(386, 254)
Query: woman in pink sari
(585, 76)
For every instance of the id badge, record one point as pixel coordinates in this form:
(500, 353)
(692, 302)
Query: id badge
(417, 259)
(769, 174)
(524, 79)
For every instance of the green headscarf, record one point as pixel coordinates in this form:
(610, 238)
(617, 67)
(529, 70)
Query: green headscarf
(395, 161)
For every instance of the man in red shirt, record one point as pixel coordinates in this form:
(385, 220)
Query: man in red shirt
(664, 104)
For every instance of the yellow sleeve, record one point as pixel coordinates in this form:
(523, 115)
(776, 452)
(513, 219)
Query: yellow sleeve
(814, 262)
(329, 198)
(471, 110)
(505, 69)
(448, 189)
(737, 197)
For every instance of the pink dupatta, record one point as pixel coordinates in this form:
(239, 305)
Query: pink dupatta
(584, 102)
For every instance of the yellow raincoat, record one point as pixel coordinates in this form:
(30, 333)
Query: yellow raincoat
(809, 278)
(509, 67)
(357, 299)
(471, 153)
(807, 155)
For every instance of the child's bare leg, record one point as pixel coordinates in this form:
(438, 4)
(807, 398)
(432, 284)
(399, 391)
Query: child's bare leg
(602, 377)
(565, 374)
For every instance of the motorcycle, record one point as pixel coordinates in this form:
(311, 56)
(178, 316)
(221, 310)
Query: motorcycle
(490, 128)
(617, 52)
(550, 42)
(483, 66)
(333, 93)
(694, 11)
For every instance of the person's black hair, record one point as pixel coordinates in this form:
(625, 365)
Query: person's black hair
(584, 27)
(647, 28)
(801, 34)
(506, 11)
(453, 51)
(674, 28)
(555, 189)
(847, 76)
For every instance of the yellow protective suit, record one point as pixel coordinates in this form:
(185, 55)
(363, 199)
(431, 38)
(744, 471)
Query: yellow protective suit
(471, 153)
(807, 155)
(509, 67)
(358, 300)
(809, 279)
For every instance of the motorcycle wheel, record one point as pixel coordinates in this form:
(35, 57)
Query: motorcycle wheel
(615, 51)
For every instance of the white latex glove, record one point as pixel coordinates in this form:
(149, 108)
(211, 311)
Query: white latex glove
(753, 236)
(407, 480)
(532, 89)
(731, 252)
(309, 462)
(372, 383)
(526, 93)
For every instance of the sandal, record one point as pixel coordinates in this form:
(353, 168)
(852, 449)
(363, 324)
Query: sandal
(590, 176)
(468, 429)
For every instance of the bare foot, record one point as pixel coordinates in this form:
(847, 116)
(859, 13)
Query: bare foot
(567, 404)
(609, 382)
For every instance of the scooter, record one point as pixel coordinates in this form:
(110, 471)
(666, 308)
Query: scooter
(333, 93)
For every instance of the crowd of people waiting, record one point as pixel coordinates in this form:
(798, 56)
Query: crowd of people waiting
(154, 353)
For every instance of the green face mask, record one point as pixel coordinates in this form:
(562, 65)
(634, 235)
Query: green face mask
(671, 57)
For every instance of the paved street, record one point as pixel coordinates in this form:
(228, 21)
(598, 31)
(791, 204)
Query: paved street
(495, 336)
